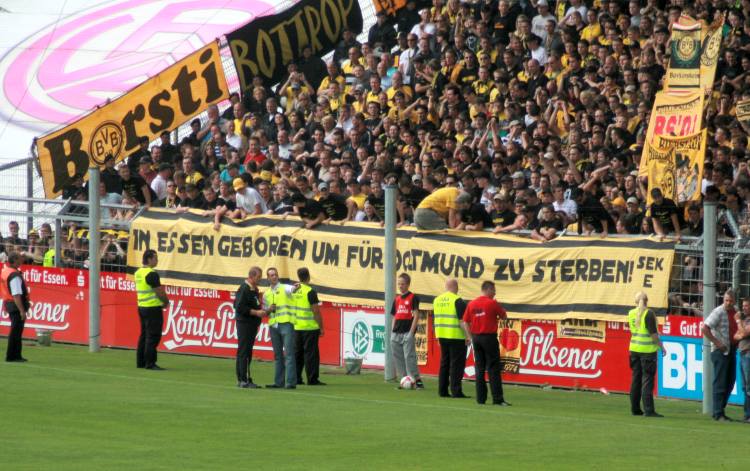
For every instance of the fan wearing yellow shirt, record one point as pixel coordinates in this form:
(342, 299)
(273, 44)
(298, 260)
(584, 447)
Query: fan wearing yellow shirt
(295, 86)
(591, 32)
(356, 202)
(397, 81)
(334, 75)
(438, 210)
(375, 90)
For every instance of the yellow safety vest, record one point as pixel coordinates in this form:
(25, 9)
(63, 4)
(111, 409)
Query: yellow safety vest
(49, 258)
(640, 339)
(278, 296)
(146, 294)
(447, 325)
(304, 319)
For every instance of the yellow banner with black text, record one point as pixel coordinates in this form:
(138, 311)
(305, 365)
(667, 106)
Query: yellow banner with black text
(585, 278)
(161, 103)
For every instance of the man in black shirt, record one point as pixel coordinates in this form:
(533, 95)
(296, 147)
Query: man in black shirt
(151, 298)
(592, 217)
(377, 199)
(452, 346)
(310, 211)
(410, 197)
(333, 204)
(247, 314)
(501, 215)
(664, 214)
(473, 216)
(135, 187)
(110, 177)
(134, 159)
(549, 226)
(694, 222)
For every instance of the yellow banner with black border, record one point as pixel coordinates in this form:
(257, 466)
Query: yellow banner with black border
(161, 103)
(584, 278)
(683, 72)
(672, 115)
(688, 159)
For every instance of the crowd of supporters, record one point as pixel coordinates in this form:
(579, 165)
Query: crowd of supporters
(535, 112)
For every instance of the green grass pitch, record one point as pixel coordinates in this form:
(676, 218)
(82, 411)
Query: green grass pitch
(70, 409)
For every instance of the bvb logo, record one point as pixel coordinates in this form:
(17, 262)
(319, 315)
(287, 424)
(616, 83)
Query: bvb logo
(667, 184)
(360, 338)
(711, 49)
(107, 139)
(686, 48)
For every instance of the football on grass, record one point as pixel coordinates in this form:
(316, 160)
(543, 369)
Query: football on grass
(407, 382)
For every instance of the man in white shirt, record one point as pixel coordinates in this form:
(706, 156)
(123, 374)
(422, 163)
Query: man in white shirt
(425, 26)
(575, 5)
(159, 183)
(539, 21)
(249, 201)
(566, 206)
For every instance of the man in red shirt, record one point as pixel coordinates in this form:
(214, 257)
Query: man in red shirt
(480, 323)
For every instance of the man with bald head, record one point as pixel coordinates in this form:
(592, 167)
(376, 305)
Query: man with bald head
(448, 309)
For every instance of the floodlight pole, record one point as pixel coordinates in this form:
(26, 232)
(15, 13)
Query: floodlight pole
(94, 238)
(709, 296)
(390, 274)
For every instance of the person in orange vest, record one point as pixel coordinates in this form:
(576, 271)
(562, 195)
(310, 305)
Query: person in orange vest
(16, 302)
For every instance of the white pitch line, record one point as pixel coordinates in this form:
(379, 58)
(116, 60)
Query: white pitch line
(488, 409)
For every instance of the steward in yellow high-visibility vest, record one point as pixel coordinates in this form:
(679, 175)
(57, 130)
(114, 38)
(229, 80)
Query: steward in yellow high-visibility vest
(151, 299)
(309, 327)
(448, 309)
(277, 301)
(644, 343)
(49, 258)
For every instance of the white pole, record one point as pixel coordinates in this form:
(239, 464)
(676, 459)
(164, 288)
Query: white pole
(709, 296)
(390, 274)
(94, 238)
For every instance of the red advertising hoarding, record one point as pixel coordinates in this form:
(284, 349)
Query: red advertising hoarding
(578, 354)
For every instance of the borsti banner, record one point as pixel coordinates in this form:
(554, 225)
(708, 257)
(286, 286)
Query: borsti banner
(688, 153)
(588, 278)
(683, 73)
(672, 115)
(265, 46)
(158, 104)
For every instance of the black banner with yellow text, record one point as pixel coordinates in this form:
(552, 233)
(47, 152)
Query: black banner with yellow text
(265, 46)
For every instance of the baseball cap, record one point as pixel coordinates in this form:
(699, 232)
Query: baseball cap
(498, 196)
(518, 174)
(515, 122)
(238, 184)
(322, 186)
(632, 200)
(266, 175)
(416, 177)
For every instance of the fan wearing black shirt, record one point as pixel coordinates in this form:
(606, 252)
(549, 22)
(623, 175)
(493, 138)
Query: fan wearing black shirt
(664, 214)
(501, 215)
(310, 211)
(135, 187)
(549, 226)
(377, 199)
(334, 205)
(473, 216)
(592, 217)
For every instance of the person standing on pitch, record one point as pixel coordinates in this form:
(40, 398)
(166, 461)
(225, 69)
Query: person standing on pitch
(480, 323)
(644, 342)
(720, 328)
(405, 311)
(448, 309)
(247, 315)
(308, 328)
(277, 301)
(152, 298)
(15, 297)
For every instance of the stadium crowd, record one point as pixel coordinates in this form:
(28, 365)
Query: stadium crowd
(497, 115)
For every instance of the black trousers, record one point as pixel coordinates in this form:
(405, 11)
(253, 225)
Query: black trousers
(15, 336)
(643, 366)
(307, 354)
(487, 359)
(247, 329)
(152, 320)
(452, 364)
